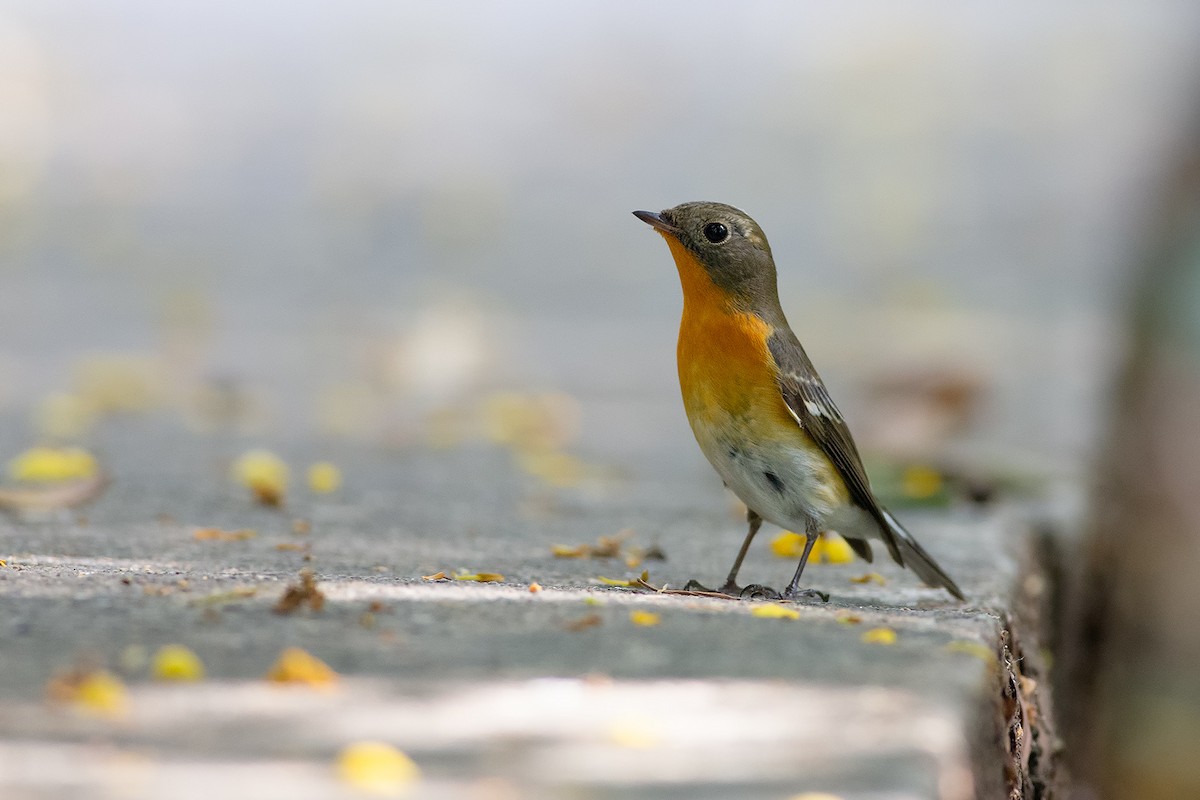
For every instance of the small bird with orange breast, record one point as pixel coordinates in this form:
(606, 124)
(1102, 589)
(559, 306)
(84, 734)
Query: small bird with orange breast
(760, 412)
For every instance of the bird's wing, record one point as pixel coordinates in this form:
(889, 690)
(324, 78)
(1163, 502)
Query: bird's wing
(815, 412)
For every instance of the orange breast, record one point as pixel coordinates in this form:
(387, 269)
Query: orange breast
(725, 368)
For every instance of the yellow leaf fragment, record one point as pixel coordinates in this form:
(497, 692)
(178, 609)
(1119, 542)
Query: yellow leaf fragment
(49, 464)
(95, 692)
(264, 473)
(774, 611)
(479, 577)
(613, 581)
(921, 481)
(644, 618)
(437, 576)
(174, 662)
(834, 549)
(848, 619)
(882, 635)
(970, 648)
(566, 551)
(870, 577)
(324, 478)
(218, 535)
(295, 665)
(377, 768)
(788, 545)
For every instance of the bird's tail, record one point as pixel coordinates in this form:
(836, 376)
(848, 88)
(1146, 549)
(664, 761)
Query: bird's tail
(920, 562)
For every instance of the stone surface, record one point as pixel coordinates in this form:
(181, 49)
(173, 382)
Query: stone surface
(486, 686)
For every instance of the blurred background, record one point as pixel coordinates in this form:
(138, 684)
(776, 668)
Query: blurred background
(345, 218)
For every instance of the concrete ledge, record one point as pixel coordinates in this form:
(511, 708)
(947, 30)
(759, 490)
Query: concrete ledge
(492, 688)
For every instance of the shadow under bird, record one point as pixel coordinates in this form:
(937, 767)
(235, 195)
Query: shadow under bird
(760, 413)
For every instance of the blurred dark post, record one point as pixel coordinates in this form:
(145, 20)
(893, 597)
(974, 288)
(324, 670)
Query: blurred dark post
(1130, 679)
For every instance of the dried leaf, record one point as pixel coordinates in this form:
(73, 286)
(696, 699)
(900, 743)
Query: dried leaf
(298, 666)
(218, 535)
(300, 594)
(437, 576)
(479, 577)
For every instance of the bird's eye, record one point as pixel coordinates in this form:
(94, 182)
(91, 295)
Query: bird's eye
(715, 232)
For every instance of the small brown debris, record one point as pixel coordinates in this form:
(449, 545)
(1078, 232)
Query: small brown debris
(584, 622)
(437, 576)
(535, 587)
(304, 593)
(293, 547)
(376, 607)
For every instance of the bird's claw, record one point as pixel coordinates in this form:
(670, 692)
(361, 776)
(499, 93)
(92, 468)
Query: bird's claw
(805, 594)
(757, 591)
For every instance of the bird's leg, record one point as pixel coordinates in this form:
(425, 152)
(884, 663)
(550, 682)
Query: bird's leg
(731, 588)
(755, 522)
(792, 592)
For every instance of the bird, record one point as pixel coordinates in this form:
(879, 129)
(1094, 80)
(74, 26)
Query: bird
(759, 411)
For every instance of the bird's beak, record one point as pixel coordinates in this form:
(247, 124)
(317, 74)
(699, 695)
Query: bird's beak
(657, 221)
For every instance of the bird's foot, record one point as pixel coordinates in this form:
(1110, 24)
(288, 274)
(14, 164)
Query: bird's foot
(757, 591)
(792, 593)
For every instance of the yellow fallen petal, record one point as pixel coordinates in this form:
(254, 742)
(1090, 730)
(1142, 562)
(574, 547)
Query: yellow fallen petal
(921, 482)
(879, 636)
(774, 611)
(870, 577)
(101, 693)
(612, 581)
(53, 464)
(567, 551)
(835, 549)
(174, 662)
(788, 545)
(377, 768)
(324, 478)
(645, 618)
(299, 666)
(976, 649)
(262, 472)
